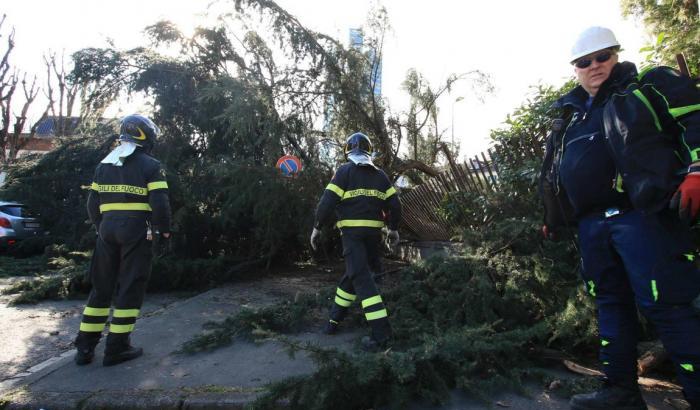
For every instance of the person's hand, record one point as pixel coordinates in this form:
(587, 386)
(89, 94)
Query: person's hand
(315, 237)
(687, 198)
(393, 238)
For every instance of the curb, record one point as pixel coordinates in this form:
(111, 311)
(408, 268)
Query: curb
(178, 399)
(8, 384)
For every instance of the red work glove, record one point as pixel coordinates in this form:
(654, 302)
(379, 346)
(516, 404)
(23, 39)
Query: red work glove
(687, 198)
(548, 234)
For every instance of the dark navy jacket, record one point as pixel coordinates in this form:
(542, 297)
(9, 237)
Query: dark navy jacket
(361, 196)
(628, 148)
(138, 188)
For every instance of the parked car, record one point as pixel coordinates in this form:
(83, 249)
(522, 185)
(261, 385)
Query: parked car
(17, 223)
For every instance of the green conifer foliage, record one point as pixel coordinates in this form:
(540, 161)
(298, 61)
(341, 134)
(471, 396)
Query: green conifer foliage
(473, 321)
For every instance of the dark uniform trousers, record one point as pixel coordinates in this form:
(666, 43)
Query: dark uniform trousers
(361, 247)
(120, 268)
(642, 260)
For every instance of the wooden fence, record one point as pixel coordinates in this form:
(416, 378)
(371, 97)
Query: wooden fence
(478, 174)
(420, 205)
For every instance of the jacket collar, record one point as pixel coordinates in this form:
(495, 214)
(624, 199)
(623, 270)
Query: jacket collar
(622, 74)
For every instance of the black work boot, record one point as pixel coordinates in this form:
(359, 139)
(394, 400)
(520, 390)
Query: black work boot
(118, 349)
(330, 328)
(84, 356)
(610, 397)
(85, 347)
(122, 356)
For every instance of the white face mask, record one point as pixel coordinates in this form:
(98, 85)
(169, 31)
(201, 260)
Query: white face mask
(359, 158)
(117, 156)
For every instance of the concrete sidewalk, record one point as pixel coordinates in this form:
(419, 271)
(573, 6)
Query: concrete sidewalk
(226, 378)
(162, 379)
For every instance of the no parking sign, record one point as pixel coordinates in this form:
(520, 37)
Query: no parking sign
(289, 165)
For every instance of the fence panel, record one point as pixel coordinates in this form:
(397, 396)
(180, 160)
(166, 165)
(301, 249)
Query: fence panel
(420, 205)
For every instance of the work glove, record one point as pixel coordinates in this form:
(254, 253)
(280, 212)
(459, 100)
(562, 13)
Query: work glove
(161, 243)
(549, 234)
(687, 198)
(392, 238)
(315, 237)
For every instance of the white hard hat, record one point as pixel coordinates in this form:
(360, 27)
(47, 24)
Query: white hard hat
(591, 40)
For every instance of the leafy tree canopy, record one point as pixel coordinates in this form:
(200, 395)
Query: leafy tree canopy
(676, 27)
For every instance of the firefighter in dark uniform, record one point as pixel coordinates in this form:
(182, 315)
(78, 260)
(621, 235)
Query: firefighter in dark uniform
(360, 194)
(129, 205)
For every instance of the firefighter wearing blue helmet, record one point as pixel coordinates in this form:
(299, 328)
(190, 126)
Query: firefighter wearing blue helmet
(128, 204)
(361, 195)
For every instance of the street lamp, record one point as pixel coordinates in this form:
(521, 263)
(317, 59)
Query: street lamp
(458, 99)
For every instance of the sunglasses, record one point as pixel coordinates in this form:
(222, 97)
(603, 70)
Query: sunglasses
(586, 62)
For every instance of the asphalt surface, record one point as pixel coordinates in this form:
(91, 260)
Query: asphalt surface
(226, 378)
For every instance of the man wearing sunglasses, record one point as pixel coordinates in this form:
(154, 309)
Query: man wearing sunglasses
(627, 162)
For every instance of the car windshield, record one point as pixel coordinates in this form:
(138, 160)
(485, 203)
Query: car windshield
(16, 210)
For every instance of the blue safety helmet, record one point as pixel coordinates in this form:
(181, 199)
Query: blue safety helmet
(138, 129)
(358, 143)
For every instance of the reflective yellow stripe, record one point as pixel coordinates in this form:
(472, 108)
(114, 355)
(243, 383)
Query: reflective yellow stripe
(389, 192)
(346, 295)
(342, 302)
(654, 290)
(120, 189)
(91, 311)
(688, 367)
(646, 102)
(355, 223)
(371, 301)
(126, 312)
(644, 72)
(376, 315)
(121, 328)
(335, 188)
(141, 136)
(94, 186)
(91, 327)
(125, 206)
(364, 192)
(591, 288)
(618, 183)
(604, 342)
(680, 111)
(157, 185)
(694, 154)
